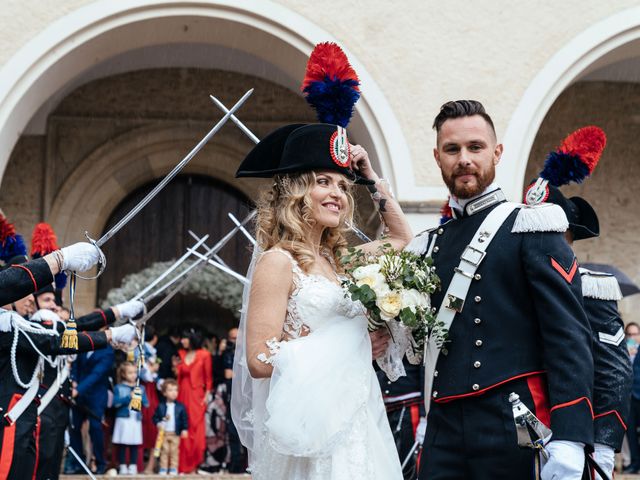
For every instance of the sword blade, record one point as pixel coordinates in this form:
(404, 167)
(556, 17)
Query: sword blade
(235, 120)
(169, 270)
(200, 263)
(173, 172)
(227, 270)
(242, 229)
(359, 233)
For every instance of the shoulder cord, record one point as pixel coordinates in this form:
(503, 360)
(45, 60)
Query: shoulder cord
(21, 325)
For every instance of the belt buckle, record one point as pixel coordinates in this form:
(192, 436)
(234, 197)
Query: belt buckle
(454, 303)
(472, 255)
(8, 419)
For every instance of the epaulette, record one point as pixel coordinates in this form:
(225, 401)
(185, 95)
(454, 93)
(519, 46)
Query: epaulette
(546, 217)
(599, 285)
(5, 320)
(420, 242)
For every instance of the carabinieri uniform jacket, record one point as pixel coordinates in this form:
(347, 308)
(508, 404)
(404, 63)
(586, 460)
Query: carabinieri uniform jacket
(523, 318)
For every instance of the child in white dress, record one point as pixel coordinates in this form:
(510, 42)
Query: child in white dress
(127, 431)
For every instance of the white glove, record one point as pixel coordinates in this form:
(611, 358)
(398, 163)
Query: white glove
(45, 315)
(421, 430)
(566, 461)
(123, 334)
(130, 309)
(605, 457)
(79, 257)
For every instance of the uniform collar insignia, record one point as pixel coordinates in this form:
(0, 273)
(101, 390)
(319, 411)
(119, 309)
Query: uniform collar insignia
(484, 201)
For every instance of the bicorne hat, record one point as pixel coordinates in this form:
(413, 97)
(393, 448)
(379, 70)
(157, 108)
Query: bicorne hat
(331, 88)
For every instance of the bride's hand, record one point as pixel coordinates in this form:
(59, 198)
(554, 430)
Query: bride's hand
(361, 164)
(379, 342)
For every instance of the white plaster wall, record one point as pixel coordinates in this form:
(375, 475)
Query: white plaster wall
(421, 53)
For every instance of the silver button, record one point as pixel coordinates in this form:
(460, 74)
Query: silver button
(435, 394)
(436, 249)
(435, 373)
(477, 321)
(388, 382)
(440, 231)
(478, 343)
(477, 364)
(386, 392)
(478, 298)
(444, 351)
(475, 386)
(477, 276)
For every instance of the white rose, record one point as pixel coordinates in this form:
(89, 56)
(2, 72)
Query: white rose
(370, 275)
(389, 305)
(366, 271)
(412, 298)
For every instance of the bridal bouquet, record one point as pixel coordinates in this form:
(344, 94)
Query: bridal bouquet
(395, 286)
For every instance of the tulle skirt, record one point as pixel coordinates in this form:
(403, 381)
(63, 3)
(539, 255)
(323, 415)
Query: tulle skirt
(325, 418)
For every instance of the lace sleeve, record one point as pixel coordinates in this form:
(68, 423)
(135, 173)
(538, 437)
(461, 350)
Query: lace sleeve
(402, 344)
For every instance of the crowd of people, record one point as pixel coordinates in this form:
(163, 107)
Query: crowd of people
(184, 424)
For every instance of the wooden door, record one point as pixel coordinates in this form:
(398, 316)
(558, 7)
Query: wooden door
(160, 233)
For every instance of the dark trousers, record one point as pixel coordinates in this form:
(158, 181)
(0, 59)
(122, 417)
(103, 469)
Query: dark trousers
(53, 423)
(18, 446)
(401, 421)
(474, 438)
(96, 434)
(632, 432)
(237, 464)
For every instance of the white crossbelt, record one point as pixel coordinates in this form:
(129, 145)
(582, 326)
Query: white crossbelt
(21, 405)
(53, 389)
(464, 273)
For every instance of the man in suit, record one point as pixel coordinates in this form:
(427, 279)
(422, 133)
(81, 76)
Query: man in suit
(519, 327)
(90, 374)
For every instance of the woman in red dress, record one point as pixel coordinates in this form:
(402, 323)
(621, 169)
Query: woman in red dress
(194, 382)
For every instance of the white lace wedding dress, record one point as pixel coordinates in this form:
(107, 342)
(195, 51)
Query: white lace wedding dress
(323, 418)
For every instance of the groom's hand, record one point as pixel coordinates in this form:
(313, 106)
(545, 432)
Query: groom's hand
(379, 342)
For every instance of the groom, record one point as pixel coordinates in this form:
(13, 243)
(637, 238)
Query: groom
(519, 325)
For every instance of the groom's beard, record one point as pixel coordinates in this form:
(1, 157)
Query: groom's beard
(469, 190)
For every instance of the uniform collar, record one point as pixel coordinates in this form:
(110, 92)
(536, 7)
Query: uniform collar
(492, 195)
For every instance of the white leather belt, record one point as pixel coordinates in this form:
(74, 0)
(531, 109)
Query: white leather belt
(400, 398)
(21, 405)
(464, 273)
(53, 389)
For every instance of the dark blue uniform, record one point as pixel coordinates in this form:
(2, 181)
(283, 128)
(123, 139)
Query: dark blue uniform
(523, 329)
(612, 366)
(19, 441)
(55, 417)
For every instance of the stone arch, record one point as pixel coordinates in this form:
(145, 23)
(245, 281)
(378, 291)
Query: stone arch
(72, 49)
(611, 40)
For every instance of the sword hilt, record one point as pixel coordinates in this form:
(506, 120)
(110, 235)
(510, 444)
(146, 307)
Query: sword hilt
(102, 259)
(531, 432)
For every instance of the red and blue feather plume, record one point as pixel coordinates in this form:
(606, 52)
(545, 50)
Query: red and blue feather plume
(446, 213)
(43, 242)
(576, 158)
(11, 244)
(331, 85)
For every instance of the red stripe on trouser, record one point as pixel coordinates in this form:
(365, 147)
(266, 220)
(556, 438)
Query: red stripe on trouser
(37, 434)
(538, 389)
(414, 411)
(8, 442)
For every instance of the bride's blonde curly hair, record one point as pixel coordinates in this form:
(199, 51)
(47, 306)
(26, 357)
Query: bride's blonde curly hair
(285, 219)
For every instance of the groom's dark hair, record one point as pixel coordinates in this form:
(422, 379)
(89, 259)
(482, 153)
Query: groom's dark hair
(461, 108)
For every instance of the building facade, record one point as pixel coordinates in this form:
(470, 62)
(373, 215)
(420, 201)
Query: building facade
(99, 99)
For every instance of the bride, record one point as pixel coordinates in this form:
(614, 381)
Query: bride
(305, 398)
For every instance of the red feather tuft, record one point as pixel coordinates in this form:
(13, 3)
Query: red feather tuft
(328, 60)
(43, 240)
(6, 229)
(586, 143)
